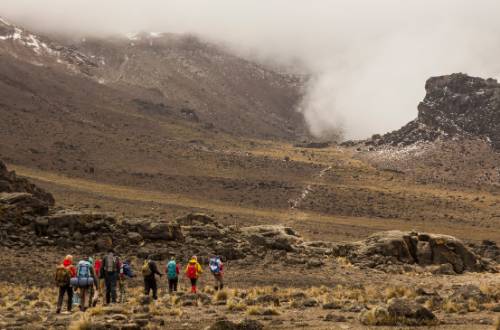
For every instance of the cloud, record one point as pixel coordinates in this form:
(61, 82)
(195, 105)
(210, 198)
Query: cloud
(368, 59)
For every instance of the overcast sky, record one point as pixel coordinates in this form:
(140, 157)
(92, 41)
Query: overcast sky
(369, 58)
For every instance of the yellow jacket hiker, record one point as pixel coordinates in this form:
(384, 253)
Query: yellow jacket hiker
(193, 272)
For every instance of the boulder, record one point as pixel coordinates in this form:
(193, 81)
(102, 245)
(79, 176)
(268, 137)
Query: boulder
(134, 238)
(83, 222)
(243, 325)
(399, 312)
(10, 183)
(16, 205)
(161, 231)
(272, 237)
(193, 219)
(385, 248)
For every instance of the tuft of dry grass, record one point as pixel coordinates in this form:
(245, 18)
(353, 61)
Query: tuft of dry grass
(236, 306)
(450, 306)
(259, 311)
(94, 311)
(344, 262)
(84, 323)
(221, 295)
(497, 324)
(176, 312)
(473, 305)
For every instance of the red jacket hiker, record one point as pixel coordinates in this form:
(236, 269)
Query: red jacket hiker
(97, 267)
(68, 263)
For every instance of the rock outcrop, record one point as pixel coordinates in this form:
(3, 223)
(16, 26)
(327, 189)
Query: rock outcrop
(11, 183)
(423, 249)
(28, 220)
(456, 105)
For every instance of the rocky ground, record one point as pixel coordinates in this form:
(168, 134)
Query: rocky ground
(276, 278)
(360, 306)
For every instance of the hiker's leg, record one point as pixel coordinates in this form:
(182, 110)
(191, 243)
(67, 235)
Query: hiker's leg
(221, 282)
(170, 285)
(146, 286)
(120, 286)
(108, 288)
(69, 290)
(193, 285)
(60, 298)
(176, 282)
(154, 286)
(83, 294)
(91, 296)
(113, 287)
(216, 281)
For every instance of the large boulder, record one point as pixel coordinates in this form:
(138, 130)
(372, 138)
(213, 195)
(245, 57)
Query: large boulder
(413, 248)
(82, 222)
(272, 237)
(17, 205)
(154, 230)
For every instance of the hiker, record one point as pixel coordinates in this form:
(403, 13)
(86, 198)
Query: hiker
(149, 270)
(99, 292)
(217, 269)
(85, 281)
(64, 273)
(125, 272)
(109, 271)
(172, 275)
(193, 272)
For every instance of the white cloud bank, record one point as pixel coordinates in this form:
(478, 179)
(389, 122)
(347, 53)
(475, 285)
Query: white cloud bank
(369, 58)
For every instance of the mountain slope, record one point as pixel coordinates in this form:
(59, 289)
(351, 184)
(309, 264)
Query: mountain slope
(192, 79)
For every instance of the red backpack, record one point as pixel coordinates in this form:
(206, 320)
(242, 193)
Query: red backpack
(192, 272)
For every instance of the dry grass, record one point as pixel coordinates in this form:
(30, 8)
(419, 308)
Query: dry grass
(95, 311)
(236, 306)
(497, 324)
(84, 323)
(450, 307)
(259, 311)
(221, 295)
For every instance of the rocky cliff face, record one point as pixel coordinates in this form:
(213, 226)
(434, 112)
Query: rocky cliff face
(456, 105)
(10, 183)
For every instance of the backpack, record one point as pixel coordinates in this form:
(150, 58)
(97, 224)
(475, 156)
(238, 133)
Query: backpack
(215, 265)
(83, 269)
(146, 269)
(111, 263)
(192, 271)
(63, 276)
(172, 270)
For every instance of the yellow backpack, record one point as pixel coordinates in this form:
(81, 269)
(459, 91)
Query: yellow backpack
(146, 269)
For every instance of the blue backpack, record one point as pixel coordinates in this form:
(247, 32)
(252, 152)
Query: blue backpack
(172, 270)
(215, 265)
(83, 269)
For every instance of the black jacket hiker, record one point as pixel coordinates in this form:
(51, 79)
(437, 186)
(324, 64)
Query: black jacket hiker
(150, 280)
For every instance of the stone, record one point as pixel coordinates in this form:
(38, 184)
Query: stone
(243, 325)
(334, 318)
(310, 302)
(134, 237)
(331, 305)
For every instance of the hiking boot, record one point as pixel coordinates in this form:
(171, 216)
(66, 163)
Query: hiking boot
(58, 311)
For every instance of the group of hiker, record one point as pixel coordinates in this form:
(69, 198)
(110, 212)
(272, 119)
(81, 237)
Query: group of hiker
(93, 278)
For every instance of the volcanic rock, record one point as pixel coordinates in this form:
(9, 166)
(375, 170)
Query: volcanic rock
(455, 105)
